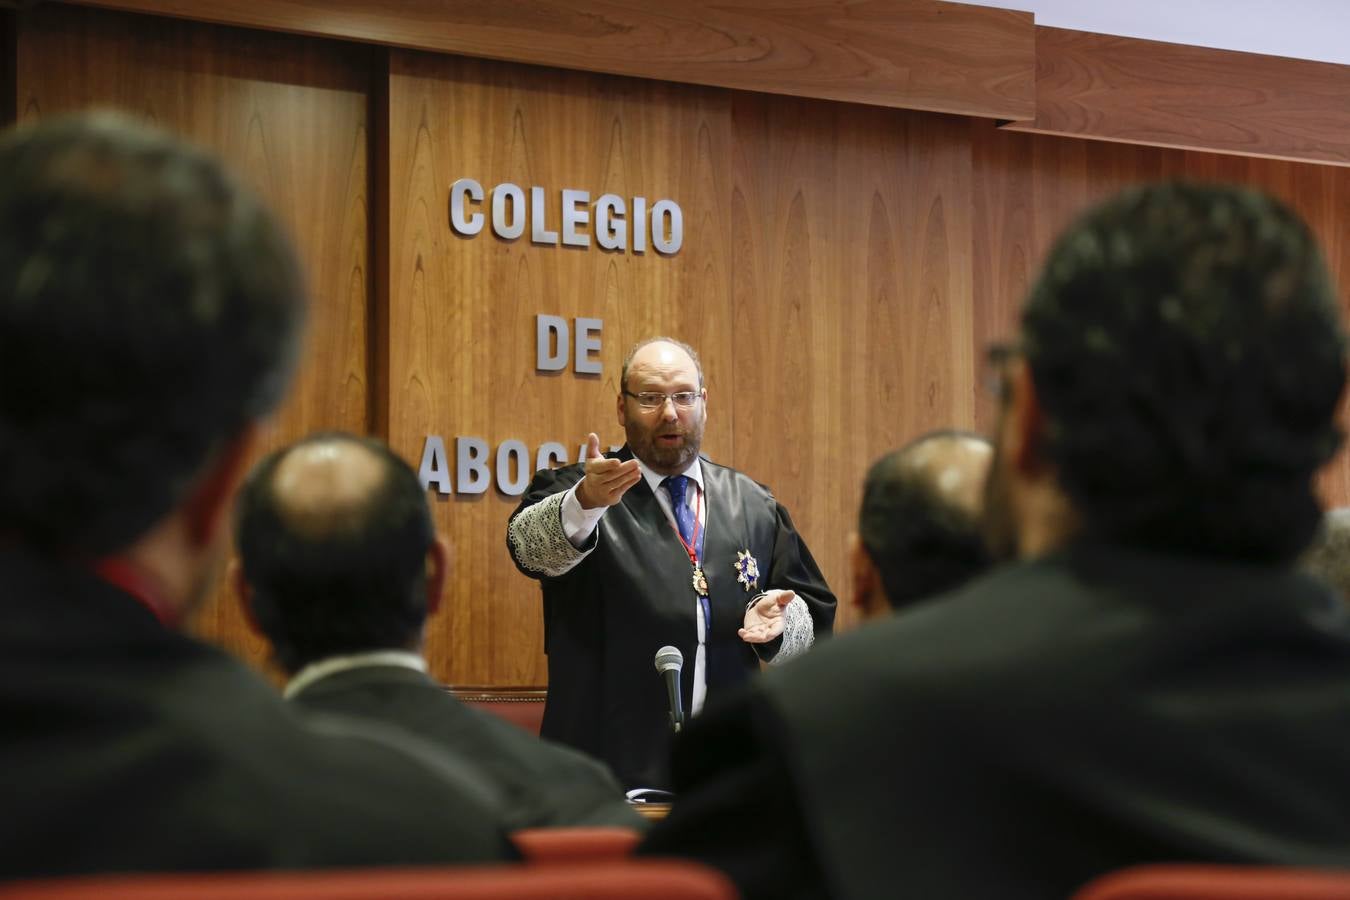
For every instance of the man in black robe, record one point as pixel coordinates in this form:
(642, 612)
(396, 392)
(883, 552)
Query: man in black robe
(1150, 681)
(340, 565)
(652, 546)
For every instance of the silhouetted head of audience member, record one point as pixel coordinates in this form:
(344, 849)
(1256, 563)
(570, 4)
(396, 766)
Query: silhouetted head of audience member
(1175, 383)
(1329, 556)
(338, 551)
(919, 523)
(150, 310)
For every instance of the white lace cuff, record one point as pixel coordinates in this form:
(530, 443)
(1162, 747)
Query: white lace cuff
(799, 632)
(538, 541)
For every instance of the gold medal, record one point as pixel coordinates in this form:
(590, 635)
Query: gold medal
(700, 582)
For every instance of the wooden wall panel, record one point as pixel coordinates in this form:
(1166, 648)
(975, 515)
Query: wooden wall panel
(852, 285)
(844, 266)
(289, 115)
(1173, 95)
(462, 310)
(9, 61)
(824, 278)
(915, 54)
(1029, 187)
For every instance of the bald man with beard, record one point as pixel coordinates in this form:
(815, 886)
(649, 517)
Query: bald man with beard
(657, 545)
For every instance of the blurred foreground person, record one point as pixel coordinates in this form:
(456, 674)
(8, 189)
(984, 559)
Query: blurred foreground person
(1150, 680)
(341, 566)
(919, 531)
(1329, 556)
(149, 318)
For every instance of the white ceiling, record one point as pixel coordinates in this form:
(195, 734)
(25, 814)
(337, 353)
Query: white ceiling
(1304, 29)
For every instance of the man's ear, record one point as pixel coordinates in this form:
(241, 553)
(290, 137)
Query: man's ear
(439, 563)
(866, 578)
(1025, 435)
(621, 411)
(207, 505)
(243, 593)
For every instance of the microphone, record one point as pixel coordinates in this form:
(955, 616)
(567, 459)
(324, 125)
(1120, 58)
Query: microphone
(669, 661)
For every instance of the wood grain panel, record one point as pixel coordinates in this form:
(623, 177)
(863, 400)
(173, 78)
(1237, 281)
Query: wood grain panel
(843, 265)
(1029, 187)
(1148, 92)
(916, 54)
(462, 310)
(851, 269)
(9, 71)
(289, 116)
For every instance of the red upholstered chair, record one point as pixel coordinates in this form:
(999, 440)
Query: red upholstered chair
(613, 880)
(554, 846)
(1207, 882)
(519, 706)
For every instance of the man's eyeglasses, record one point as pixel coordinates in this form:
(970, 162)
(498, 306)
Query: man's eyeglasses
(657, 400)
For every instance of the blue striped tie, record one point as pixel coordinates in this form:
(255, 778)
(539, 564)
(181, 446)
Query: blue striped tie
(678, 486)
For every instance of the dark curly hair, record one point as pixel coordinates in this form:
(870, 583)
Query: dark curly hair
(149, 308)
(1188, 354)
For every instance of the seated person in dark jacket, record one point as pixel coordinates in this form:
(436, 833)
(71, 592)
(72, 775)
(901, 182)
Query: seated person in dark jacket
(1150, 680)
(341, 565)
(150, 314)
(919, 525)
(1328, 559)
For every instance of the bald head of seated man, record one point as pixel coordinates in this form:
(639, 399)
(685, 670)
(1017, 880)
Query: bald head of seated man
(340, 565)
(919, 528)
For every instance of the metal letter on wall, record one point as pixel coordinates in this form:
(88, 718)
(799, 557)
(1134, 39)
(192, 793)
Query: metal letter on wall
(465, 188)
(639, 225)
(575, 211)
(501, 227)
(539, 233)
(667, 209)
(549, 329)
(550, 454)
(611, 231)
(513, 449)
(471, 456)
(588, 339)
(435, 468)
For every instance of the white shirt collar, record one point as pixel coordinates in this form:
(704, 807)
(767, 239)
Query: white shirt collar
(654, 479)
(334, 664)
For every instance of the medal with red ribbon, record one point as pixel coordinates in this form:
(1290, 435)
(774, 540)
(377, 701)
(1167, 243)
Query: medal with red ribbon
(691, 547)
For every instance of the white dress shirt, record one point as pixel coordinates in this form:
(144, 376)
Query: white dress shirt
(334, 664)
(579, 523)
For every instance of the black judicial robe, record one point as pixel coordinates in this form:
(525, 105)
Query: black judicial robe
(605, 619)
(541, 784)
(1044, 725)
(125, 746)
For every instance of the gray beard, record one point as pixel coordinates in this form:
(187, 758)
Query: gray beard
(668, 462)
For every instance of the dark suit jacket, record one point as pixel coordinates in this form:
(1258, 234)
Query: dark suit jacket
(605, 619)
(541, 784)
(128, 747)
(1044, 725)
